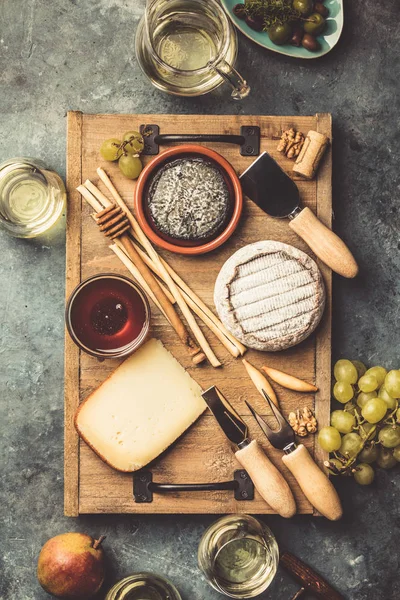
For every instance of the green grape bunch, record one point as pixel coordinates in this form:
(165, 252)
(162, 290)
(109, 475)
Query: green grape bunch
(126, 151)
(365, 431)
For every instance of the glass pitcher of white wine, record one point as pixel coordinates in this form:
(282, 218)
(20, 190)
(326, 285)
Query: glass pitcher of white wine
(188, 47)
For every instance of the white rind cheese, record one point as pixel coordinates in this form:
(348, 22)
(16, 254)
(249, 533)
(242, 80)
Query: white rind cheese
(141, 409)
(270, 295)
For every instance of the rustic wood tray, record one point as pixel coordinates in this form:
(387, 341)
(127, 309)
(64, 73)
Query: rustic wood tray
(203, 454)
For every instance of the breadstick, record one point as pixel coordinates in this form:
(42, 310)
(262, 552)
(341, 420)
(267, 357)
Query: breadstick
(133, 270)
(97, 193)
(261, 382)
(289, 381)
(90, 199)
(240, 347)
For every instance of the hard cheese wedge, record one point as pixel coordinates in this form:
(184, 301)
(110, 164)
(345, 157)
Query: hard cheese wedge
(141, 409)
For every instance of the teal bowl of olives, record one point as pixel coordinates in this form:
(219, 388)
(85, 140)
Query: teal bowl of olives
(299, 28)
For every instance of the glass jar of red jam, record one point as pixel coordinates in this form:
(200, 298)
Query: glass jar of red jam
(108, 316)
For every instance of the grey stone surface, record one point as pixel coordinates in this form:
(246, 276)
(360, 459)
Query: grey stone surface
(79, 54)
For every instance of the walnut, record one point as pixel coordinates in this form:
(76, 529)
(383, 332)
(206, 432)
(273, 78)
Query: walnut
(286, 138)
(291, 143)
(310, 420)
(293, 422)
(303, 422)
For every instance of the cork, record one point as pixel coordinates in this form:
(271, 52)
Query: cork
(307, 162)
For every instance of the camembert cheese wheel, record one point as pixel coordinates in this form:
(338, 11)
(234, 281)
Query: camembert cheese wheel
(270, 295)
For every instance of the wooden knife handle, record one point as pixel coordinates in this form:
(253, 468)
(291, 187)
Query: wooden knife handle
(315, 485)
(309, 579)
(324, 243)
(269, 482)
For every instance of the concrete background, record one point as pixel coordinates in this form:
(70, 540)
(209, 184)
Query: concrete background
(79, 54)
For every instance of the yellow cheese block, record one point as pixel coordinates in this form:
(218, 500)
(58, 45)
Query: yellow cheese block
(141, 409)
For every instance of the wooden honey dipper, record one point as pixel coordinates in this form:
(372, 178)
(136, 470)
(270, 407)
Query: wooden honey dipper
(114, 223)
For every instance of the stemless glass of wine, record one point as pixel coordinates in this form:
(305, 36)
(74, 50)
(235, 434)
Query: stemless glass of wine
(238, 556)
(143, 586)
(32, 197)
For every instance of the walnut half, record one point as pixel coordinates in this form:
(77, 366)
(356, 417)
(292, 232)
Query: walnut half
(303, 421)
(291, 143)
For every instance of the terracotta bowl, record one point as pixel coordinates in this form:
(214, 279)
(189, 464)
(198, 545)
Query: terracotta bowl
(180, 246)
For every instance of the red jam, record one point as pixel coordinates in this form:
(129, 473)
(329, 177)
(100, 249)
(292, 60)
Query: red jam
(107, 314)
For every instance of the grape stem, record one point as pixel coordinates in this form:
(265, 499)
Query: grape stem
(346, 461)
(333, 468)
(123, 145)
(391, 420)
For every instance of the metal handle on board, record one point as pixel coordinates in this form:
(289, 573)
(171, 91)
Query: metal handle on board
(248, 140)
(144, 487)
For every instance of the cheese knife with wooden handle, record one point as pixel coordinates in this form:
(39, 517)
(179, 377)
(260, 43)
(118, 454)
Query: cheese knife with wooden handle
(269, 482)
(268, 186)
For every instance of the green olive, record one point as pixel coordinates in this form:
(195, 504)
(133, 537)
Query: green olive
(315, 24)
(280, 34)
(304, 7)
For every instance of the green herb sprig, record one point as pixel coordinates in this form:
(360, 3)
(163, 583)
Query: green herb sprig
(272, 12)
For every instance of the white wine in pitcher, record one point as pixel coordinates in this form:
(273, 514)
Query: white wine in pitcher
(185, 48)
(188, 47)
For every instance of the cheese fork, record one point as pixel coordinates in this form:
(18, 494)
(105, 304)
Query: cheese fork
(314, 483)
(269, 482)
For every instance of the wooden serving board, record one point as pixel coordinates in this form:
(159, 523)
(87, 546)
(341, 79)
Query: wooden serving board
(203, 454)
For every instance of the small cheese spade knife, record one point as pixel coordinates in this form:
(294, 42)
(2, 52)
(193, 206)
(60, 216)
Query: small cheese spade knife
(269, 482)
(275, 193)
(315, 485)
